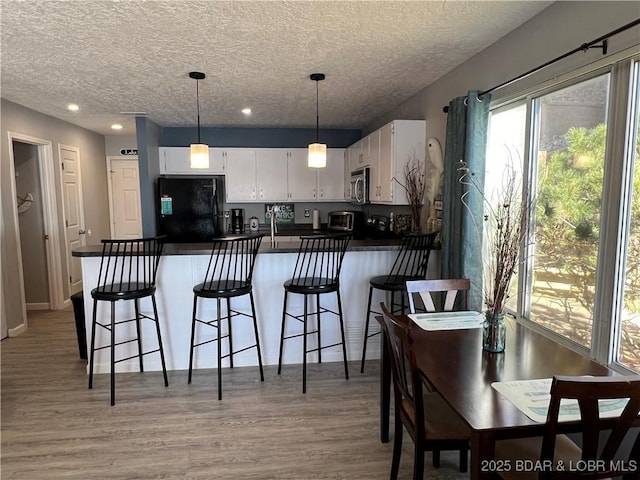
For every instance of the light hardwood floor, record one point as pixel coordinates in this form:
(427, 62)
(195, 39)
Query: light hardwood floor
(53, 427)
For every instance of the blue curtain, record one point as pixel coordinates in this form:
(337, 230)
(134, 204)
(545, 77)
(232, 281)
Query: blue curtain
(466, 142)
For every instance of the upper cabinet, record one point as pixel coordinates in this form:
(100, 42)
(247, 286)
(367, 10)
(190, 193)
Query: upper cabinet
(266, 174)
(177, 161)
(316, 184)
(386, 152)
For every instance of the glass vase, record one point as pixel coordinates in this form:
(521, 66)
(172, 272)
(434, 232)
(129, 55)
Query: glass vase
(493, 332)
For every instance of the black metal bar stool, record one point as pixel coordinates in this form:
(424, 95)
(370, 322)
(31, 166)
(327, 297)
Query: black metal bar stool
(228, 275)
(127, 272)
(316, 272)
(410, 264)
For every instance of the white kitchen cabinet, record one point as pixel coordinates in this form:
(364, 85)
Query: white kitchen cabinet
(303, 181)
(386, 152)
(271, 173)
(241, 182)
(316, 184)
(400, 141)
(331, 178)
(347, 174)
(177, 161)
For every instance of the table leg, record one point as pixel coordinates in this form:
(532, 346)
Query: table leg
(483, 444)
(385, 389)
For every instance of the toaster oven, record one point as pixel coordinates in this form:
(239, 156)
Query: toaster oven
(346, 221)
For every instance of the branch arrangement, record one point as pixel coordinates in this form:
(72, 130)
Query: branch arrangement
(506, 221)
(414, 175)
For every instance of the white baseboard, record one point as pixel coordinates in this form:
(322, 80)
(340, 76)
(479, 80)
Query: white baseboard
(66, 303)
(14, 332)
(38, 306)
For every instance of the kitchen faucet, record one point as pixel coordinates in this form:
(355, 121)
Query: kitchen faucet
(274, 225)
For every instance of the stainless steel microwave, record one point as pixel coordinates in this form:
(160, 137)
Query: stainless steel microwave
(360, 186)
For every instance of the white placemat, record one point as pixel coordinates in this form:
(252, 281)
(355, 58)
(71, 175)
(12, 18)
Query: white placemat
(447, 320)
(532, 398)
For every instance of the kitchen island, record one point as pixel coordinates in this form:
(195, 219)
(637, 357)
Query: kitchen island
(183, 265)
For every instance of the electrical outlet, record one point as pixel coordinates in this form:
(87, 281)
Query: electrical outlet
(307, 212)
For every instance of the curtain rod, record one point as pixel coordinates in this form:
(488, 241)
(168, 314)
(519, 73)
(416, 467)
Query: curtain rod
(582, 48)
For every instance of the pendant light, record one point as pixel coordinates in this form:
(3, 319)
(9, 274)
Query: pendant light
(317, 151)
(199, 151)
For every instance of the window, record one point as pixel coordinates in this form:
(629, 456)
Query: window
(581, 277)
(628, 353)
(569, 146)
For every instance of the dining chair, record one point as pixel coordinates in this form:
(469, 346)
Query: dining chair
(228, 275)
(128, 271)
(428, 419)
(316, 272)
(410, 264)
(601, 454)
(426, 290)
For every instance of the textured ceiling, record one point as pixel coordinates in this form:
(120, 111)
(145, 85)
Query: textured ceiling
(134, 56)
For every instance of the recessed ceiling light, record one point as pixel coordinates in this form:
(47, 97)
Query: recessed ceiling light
(246, 111)
(116, 126)
(73, 107)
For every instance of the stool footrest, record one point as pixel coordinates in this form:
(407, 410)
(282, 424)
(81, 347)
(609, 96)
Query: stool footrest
(299, 335)
(240, 350)
(116, 344)
(136, 356)
(210, 341)
(325, 346)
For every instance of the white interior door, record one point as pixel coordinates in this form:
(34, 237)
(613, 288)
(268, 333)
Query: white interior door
(73, 212)
(124, 198)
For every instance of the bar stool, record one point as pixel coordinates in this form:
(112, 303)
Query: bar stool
(316, 272)
(410, 264)
(228, 275)
(127, 272)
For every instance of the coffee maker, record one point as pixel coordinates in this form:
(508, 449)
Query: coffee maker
(237, 220)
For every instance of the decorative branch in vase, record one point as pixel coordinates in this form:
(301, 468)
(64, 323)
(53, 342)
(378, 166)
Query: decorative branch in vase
(507, 213)
(414, 186)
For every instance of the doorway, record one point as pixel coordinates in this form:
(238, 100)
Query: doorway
(124, 197)
(43, 170)
(31, 226)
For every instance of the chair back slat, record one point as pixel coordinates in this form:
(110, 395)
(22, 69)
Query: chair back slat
(129, 265)
(231, 262)
(450, 287)
(413, 258)
(598, 446)
(320, 258)
(407, 383)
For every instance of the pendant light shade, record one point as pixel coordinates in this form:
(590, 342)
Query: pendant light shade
(199, 151)
(317, 150)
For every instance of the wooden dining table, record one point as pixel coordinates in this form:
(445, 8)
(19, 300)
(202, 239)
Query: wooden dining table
(456, 366)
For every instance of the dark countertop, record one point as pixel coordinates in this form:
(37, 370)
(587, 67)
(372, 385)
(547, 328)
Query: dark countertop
(265, 247)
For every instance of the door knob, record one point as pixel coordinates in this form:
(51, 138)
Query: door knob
(82, 232)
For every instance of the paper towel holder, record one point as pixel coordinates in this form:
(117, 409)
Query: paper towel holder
(316, 219)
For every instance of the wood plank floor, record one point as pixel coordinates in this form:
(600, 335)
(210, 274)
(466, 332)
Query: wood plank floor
(53, 427)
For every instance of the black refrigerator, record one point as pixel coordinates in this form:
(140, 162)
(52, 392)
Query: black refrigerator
(191, 209)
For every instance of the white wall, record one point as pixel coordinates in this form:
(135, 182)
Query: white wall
(18, 119)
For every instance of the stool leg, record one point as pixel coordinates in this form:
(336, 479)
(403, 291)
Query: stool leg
(344, 343)
(284, 316)
(319, 323)
(366, 330)
(229, 328)
(136, 307)
(402, 302)
(155, 314)
(113, 353)
(219, 350)
(304, 348)
(193, 334)
(93, 342)
(255, 331)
